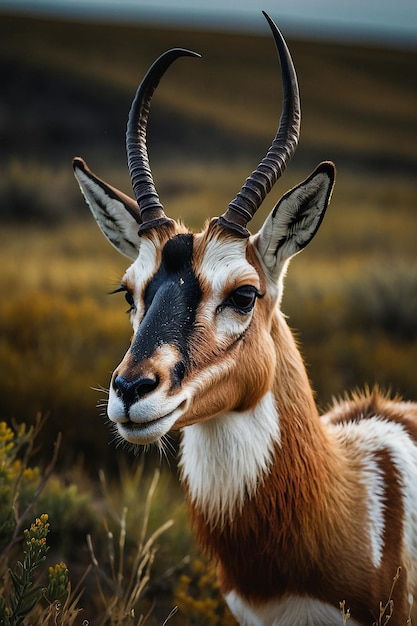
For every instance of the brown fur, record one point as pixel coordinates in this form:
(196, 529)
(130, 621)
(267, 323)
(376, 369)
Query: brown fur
(368, 404)
(299, 515)
(302, 528)
(238, 385)
(302, 532)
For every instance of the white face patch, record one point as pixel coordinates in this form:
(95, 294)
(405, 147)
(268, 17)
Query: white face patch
(224, 459)
(138, 275)
(224, 267)
(225, 261)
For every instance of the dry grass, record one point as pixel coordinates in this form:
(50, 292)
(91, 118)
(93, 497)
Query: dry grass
(351, 295)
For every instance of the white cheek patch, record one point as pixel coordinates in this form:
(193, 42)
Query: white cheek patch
(231, 324)
(226, 323)
(224, 264)
(138, 275)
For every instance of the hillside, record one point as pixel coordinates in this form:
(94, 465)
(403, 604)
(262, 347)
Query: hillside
(351, 296)
(67, 87)
(66, 90)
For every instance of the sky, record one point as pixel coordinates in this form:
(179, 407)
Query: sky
(390, 21)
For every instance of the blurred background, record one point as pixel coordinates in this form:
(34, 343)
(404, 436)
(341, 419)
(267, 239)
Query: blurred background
(69, 69)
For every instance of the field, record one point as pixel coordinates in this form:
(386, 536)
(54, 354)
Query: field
(67, 87)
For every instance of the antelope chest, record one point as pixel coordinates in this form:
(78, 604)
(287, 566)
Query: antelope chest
(223, 460)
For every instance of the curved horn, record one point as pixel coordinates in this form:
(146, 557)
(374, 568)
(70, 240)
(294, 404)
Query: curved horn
(242, 209)
(151, 209)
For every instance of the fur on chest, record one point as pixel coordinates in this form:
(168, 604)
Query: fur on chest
(220, 467)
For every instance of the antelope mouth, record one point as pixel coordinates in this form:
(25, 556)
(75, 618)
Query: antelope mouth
(143, 432)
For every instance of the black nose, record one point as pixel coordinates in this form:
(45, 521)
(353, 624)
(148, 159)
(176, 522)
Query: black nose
(130, 391)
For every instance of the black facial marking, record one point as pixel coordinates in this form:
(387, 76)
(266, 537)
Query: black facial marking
(171, 299)
(177, 374)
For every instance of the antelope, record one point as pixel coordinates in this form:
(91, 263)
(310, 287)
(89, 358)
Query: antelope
(300, 512)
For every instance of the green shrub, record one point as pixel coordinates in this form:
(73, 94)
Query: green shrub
(73, 514)
(25, 489)
(24, 594)
(24, 600)
(119, 552)
(19, 483)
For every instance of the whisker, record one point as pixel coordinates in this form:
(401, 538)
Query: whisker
(166, 448)
(100, 389)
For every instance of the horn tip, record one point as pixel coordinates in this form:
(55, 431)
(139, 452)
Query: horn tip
(182, 52)
(269, 19)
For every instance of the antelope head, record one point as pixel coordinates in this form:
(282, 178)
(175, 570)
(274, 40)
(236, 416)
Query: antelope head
(202, 306)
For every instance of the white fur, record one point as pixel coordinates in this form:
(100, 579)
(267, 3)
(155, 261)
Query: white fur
(370, 436)
(152, 416)
(224, 268)
(138, 275)
(287, 611)
(374, 485)
(226, 457)
(115, 222)
(224, 262)
(142, 432)
(283, 235)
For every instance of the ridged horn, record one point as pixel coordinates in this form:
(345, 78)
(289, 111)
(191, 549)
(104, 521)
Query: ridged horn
(151, 210)
(242, 209)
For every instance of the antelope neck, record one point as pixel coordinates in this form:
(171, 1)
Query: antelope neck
(225, 460)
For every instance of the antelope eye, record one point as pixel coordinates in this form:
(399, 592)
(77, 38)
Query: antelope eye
(129, 299)
(243, 299)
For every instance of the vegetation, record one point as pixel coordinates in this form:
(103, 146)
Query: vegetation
(351, 297)
(112, 539)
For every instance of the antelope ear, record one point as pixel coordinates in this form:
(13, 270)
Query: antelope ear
(116, 214)
(295, 219)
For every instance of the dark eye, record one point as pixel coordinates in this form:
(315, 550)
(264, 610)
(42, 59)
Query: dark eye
(243, 299)
(128, 296)
(130, 301)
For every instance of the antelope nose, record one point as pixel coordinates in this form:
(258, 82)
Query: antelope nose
(130, 391)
